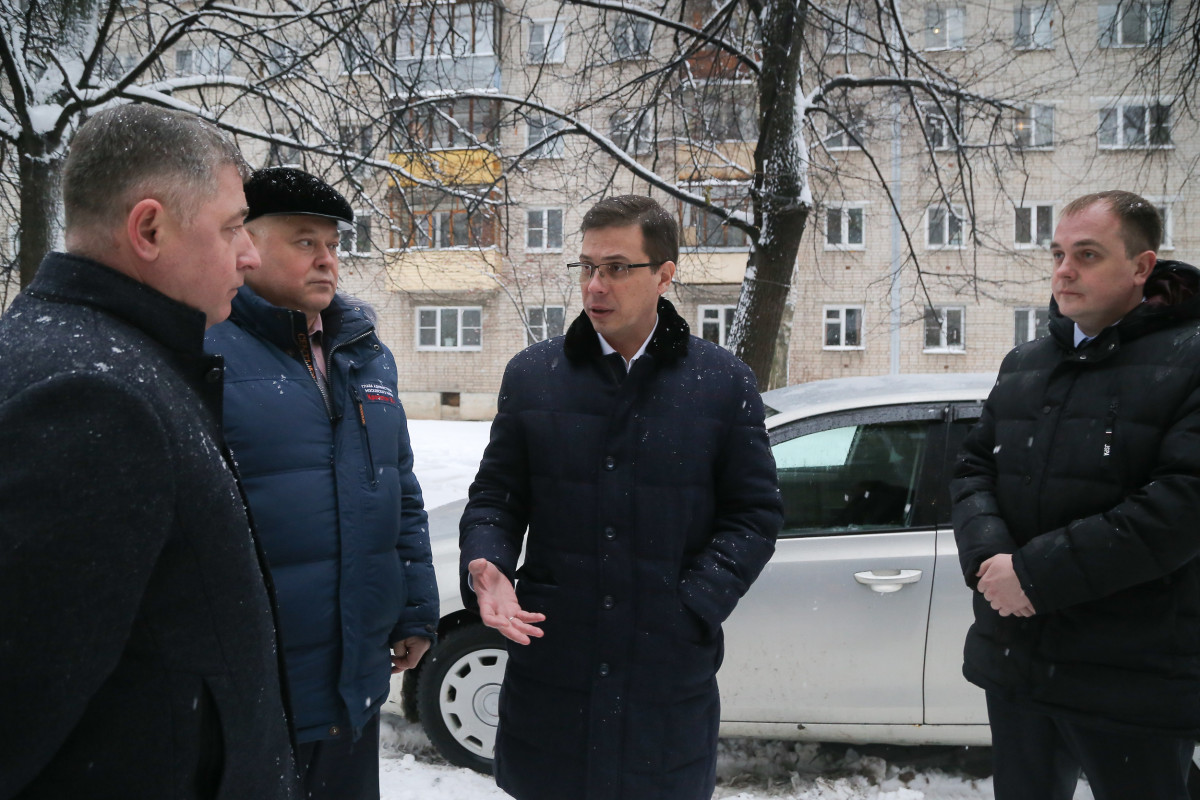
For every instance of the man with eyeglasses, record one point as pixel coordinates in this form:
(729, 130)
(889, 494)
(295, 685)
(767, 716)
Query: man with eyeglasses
(635, 455)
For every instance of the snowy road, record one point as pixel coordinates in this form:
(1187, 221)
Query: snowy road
(447, 455)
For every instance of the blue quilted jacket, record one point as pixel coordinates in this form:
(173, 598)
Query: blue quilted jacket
(329, 478)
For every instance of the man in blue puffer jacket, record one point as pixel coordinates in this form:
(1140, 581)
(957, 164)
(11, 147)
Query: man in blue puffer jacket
(321, 443)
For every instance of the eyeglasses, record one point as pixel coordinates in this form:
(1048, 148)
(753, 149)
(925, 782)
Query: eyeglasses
(584, 272)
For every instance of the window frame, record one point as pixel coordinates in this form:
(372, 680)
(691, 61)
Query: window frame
(844, 226)
(361, 229)
(1166, 211)
(1119, 111)
(1034, 210)
(1032, 324)
(620, 31)
(943, 345)
(956, 211)
(553, 148)
(553, 44)
(530, 326)
(1112, 35)
(1043, 25)
(691, 218)
(545, 228)
(459, 328)
(1035, 125)
(724, 321)
(842, 321)
(846, 36)
(933, 120)
(946, 13)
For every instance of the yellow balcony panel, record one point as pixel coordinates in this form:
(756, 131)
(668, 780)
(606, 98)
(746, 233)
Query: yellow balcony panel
(468, 167)
(728, 161)
(711, 268)
(450, 270)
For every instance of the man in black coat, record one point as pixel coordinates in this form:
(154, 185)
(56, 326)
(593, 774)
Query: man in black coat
(637, 457)
(1075, 506)
(137, 643)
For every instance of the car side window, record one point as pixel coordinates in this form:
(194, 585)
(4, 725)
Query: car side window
(851, 478)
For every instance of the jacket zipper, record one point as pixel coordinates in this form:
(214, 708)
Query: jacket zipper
(307, 354)
(362, 418)
(1110, 424)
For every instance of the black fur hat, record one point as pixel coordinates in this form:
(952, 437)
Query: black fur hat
(275, 191)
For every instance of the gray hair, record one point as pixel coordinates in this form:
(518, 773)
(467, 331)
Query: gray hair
(125, 154)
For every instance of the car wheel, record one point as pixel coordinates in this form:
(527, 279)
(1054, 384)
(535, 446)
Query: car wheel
(458, 695)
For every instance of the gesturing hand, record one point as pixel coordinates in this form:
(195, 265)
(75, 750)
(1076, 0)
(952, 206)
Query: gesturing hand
(1001, 587)
(498, 604)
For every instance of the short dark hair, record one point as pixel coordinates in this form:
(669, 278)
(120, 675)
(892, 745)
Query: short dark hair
(124, 154)
(1141, 225)
(659, 229)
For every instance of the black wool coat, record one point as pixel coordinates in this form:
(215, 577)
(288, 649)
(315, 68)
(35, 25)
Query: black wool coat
(137, 642)
(1086, 467)
(652, 505)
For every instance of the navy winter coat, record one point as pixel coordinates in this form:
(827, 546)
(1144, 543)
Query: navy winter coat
(1086, 467)
(652, 504)
(333, 496)
(137, 644)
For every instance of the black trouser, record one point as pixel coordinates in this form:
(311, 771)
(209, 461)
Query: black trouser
(1039, 757)
(340, 768)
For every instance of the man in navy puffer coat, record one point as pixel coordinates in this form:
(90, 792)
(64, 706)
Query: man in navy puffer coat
(321, 442)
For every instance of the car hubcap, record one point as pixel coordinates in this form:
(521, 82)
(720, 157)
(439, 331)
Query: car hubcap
(470, 699)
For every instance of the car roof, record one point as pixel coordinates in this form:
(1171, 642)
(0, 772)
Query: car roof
(846, 394)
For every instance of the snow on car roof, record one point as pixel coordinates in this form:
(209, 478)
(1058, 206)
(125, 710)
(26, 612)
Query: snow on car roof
(841, 394)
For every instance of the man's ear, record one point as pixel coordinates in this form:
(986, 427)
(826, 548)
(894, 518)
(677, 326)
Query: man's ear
(1144, 263)
(665, 273)
(143, 227)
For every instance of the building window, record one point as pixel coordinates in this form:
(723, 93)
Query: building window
(206, 60)
(546, 45)
(1133, 23)
(444, 223)
(634, 132)
(357, 241)
(356, 55)
(1034, 126)
(1166, 212)
(942, 135)
(843, 328)
(1034, 225)
(357, 143)
(845, 132)
(944, 329)
(845, 33)
(446, 29)
(449, 328)
(536, 130)
(723, 111)
(943, 27)
(705, 230)
(544, 229)
(1033, 27)
(458, 124)
(283, 155)
(943, 229)
(715, 323)
(631, 37)
(544, 322)
(844, 228)
(1135, 126)
(1030, 324)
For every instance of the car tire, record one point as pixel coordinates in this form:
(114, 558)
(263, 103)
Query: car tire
(458, 693)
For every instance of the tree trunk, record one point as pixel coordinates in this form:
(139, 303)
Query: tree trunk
(780, 189)
(41, 200)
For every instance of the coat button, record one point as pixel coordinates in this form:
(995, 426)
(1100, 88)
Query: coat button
(1045, 409)
(610, 463)
(214, 375)
(603, 670)
(334, 730)
(610, 533)
(1028, 480)
(608, 602)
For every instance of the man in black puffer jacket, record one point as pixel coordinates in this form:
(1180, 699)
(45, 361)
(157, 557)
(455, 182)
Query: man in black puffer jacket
(636, 456)
(1075, 508)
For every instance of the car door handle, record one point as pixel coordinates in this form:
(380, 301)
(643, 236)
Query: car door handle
(887, 580)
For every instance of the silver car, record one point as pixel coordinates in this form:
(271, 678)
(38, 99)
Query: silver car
(854, 631)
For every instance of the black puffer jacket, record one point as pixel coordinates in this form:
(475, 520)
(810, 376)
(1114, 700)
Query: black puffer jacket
(137, 642)
(652, 505)
(1086, 467)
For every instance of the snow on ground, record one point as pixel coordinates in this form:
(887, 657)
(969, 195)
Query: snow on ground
(446, 457)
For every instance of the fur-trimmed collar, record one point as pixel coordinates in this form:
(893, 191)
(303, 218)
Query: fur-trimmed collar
(670, 341)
